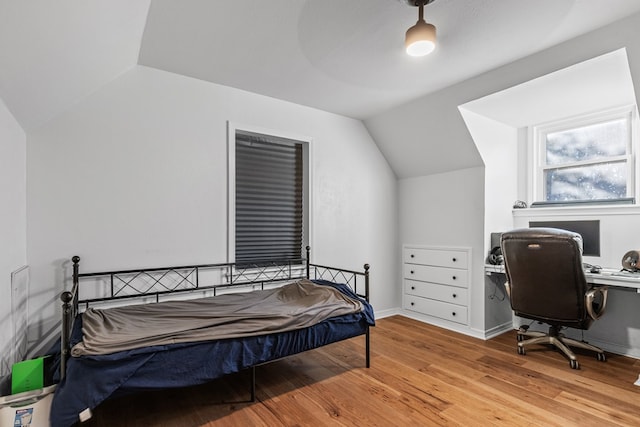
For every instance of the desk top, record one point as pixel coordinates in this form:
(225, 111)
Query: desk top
(608, 276)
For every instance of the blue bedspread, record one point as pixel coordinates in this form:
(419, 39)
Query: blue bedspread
(92, 379)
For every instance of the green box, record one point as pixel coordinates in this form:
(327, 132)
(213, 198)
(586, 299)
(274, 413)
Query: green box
(28, 375)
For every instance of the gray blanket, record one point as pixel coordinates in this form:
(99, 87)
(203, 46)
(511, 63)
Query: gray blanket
(292, 306)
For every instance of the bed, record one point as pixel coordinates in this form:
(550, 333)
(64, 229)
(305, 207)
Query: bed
(133, 330)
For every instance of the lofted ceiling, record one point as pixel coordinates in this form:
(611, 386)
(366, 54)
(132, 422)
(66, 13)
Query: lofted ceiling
(54, 53)
(342, 56)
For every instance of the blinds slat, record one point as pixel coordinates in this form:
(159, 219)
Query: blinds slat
(269, 185)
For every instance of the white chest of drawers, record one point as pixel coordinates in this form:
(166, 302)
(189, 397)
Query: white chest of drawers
(436, 283)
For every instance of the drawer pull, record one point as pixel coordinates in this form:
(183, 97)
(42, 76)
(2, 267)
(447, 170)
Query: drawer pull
(453, 314)
(454, 277)
(411, 303)
(411, 272)
(412, 255)
(454, 295)
(454, 259)
(413, 288)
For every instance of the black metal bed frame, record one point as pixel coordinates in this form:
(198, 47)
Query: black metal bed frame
(156, 283)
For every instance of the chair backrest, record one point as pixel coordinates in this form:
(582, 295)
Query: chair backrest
(545, 274)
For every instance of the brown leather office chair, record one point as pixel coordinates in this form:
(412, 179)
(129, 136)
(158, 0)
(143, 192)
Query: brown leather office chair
(546, 282)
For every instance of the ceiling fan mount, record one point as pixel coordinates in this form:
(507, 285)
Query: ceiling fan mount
(418, 3)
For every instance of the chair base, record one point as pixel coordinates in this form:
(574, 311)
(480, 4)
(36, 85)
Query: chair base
(558, 340)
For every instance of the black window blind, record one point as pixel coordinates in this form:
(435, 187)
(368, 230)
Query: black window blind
(269, 204)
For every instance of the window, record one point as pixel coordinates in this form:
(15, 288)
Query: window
(588, 159)
(269, 206)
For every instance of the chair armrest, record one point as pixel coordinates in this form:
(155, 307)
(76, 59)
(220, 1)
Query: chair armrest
(590, 298)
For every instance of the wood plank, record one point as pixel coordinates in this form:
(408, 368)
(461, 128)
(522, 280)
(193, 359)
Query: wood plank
(420, 375)
(617, 414)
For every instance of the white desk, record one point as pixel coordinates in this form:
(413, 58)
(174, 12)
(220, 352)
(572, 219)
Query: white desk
(607, 277)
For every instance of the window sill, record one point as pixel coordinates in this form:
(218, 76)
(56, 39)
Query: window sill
(578, 210)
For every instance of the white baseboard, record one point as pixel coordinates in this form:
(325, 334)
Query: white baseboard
(610, 347)
(381, 314)
(463, 329)
(498, 330)
(435, 321)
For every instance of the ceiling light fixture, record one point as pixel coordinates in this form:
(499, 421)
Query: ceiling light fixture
(421, 38)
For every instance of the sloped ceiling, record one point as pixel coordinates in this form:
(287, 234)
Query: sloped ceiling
(347, 57)
(54, 53)
(562, 93)
(340, 56)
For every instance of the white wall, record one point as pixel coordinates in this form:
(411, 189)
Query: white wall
(447, 210)
(136, 175)
(497, 144)
(13, 233)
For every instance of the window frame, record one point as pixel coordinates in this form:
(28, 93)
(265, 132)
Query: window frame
(307, 150)
(537, 152)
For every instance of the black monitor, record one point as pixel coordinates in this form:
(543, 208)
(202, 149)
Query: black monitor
(589, 230)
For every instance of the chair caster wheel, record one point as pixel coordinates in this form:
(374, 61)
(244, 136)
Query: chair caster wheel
(521, 350)
(601, 357)
(574, 364)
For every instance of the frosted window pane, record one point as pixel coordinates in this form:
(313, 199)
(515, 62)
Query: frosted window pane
(592, 182)
(597, 141)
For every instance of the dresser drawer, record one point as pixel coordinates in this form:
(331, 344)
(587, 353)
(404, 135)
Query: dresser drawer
(436, 257)
(443, 310)
(450, 294)
(445, 276)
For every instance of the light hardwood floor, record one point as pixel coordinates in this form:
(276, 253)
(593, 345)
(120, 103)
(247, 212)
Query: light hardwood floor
(420, 375)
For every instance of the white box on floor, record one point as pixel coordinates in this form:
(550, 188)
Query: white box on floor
(27, 409)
